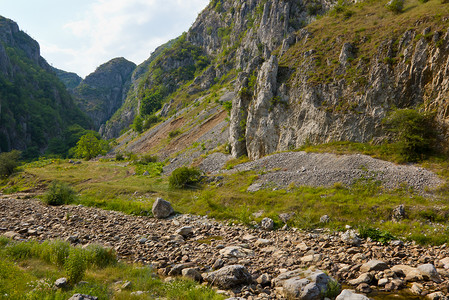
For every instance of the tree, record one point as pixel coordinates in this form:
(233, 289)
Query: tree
(89, 146)
(9, 161)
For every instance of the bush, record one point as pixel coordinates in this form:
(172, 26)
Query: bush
(395, 6)
(99, 256)
(59, 193)
(174, 133)
(414, 132)
(375, 234)
(147, 158)
(9, 161)
(184, 177)
(119, 156)
(75, 265)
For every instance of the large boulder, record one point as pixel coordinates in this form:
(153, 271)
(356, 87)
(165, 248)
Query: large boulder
(162, 209)
(229, 277)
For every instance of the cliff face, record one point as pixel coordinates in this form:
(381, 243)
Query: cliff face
(299, 79)
(101, 93)
(35, 107)
(70, 80)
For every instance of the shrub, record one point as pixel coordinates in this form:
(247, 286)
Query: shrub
(147, 158)
(184, 177)
(395, 6)
(9, 161)
(375, 234)
(75, 265)
(414, 132)
(59, 193)
(99, 256)
(174, 133)
(119, 156)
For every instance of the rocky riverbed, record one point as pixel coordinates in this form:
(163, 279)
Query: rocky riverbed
(272, 264)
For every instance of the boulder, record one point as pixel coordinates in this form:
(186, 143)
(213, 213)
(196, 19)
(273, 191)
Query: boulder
(192, 273)
(267, 224)
(61, 283)
(429, 272)
(363, 278)
(83, 297)
(185, 231)
(229, 277)
(350, 237)
(373, 265)
(162, 209)
(325, 219)
(236, 251)
(294, 286)
(398, 213)
(350, 295)
(437, 296)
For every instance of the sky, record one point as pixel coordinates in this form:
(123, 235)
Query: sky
(78, 36)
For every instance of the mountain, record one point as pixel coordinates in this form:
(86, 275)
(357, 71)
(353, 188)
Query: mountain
(37, 112)
(71, 80)
(102, 92)
(298, 72)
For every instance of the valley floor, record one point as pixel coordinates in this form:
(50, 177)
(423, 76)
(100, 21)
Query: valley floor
(215, 244)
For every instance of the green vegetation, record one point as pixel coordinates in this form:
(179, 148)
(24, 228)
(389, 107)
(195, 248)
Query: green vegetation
(37, 105)
(414, 132)
(375, 234)
(59, 193)
(90, 146)
(9, 161)
(395, 6)
(184, 177)
(28, 270)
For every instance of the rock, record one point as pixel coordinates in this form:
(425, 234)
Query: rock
(445, 262)
(162, 209)
(382, 281)
(411, 274)
(398, 213)
(294, 286)
(185, 231)
(192, 273)
(218, 264)
(236, 251)
(350, 237)
(267, 224)
(262, 242)
(229, 277)
(126, 285)
(83, 297)
(310, 292)
(325, 219)
(311, 258)
(146, 173)
(264, 280)
(416, 288)
(363, 278)
(437, 296)
(61, 283)
(176, 270)
(373, 265)
(350, 295)
(364, 288)
(11, 235)
(429, 272)
(285, 217)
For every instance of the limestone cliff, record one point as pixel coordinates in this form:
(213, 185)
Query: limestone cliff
(103, 92)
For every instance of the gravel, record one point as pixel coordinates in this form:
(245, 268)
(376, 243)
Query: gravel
(324, 169)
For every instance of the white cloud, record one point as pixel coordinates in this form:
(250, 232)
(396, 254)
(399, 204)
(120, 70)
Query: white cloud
(112, 28)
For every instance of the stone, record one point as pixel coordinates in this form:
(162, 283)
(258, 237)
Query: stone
(264, 280)
(350, 295)
(285, 217)
(267, 224)
(382, 281)
(83, 297)
(126, 285)
(416, 288)
(373, 265)
(229, 277)
(350, 237)
(411, 274)
(236, 251)
(310, 292)
(262, 242)
(364, 288)
(146, 173)
(311, 258)
(61, 283)
(162, 209)
(185, 231)
(293, 286)
(445, 262)
(363, 278)
(398, 213)
(325, 219)
(218, 264)
(11, 235)
(437, 296)
(429, 272)
(192, 273)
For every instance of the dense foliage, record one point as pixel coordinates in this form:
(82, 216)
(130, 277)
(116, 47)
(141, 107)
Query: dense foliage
(90, 146)
(414, 133)
(35, 105)
(9, 161)
(184, 177)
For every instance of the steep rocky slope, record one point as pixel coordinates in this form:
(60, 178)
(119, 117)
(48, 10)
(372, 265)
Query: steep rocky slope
(298, 80)
(102, 92)
(71, 80)
(36, 109)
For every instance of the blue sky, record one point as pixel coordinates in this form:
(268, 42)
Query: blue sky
(78, 36)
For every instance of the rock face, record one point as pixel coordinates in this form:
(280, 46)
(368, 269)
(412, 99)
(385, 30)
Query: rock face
(103, 92)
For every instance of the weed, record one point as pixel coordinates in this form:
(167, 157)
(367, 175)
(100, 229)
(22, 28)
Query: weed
(59, 193)
(75, 265)
(375, 234)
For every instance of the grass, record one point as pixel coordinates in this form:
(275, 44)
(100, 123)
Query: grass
(111, 186)
(27, 273)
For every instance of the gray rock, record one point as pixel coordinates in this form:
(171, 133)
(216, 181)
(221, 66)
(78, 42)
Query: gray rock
(61, 283)
(236, 251)
(146, 173)
(325, 219)
(374, 265)
(83, 297)
(310, 292)
(285, 217)
(185, 231)
(437, 296)
(192, 273)
(429, 272)
(363, 278)
(294, 286)
(267, 224)
(162, 209)
(229, 277)
(350, 237)
(350, 295)
(264, 279)
(398, 213)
